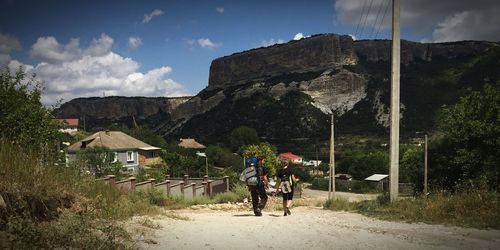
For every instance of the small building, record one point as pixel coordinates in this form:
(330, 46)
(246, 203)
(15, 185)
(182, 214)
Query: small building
(191, 143)
(131, 152)
(380, 182)
(69, 125)
(288, 156)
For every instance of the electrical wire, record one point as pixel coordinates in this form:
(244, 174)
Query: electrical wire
(376, 19)
(383, 18)
(360, 18)
(366, 19)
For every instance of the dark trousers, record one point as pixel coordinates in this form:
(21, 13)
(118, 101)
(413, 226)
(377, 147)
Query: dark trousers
(258, 192)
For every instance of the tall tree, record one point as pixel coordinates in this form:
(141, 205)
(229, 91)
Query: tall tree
(470, 140)
(243, 136)
(23, 118)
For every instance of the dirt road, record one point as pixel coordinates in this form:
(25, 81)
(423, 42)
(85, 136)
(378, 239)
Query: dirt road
(309, 227)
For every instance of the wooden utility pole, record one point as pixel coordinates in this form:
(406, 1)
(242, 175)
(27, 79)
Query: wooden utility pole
(395, 78)
(331, 182)
(425, 165)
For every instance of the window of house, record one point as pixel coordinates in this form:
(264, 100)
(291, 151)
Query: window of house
(130, 156)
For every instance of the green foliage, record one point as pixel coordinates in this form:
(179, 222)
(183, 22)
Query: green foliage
(243, 136)
(473, 206)
(411, 166)
(24, 120)
(146, 135)
(361, 165)
(302, 173)
(100, 161)
(468, 146)
(181, 161)
(222, 157)
(36, 191)
(264, 151)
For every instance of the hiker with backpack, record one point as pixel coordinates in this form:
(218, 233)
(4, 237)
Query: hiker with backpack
(286, 185)
(255, 176)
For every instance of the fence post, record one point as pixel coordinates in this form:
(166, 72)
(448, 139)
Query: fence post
(181, 186)
(193, 186)
(226, 183)
(152, 182)
(204, 188)
(209, 187)
(111, 180)
(167, 177)
(186, 177)
(168, 187)
(132, 183)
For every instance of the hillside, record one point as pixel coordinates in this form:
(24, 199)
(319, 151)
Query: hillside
(286, 91)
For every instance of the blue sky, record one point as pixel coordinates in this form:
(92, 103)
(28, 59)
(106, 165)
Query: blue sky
(164, 48)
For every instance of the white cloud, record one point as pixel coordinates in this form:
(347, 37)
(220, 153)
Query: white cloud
(298, 36)
(271, 42)
(48, 49)
(7, 45)
(220, 9)
(69, 71)
(134, 42)
(147, 17)
(206, 43)
(444, 20)
(353, 37)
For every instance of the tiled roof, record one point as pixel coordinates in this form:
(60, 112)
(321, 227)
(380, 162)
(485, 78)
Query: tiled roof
(114, 140)
(71, 122)
(289, 155)
(191, 143)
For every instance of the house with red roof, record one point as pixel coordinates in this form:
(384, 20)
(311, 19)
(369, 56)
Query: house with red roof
(69, 125)
(288, 156)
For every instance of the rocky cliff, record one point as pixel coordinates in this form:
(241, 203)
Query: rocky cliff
(286, 91)
(120, 111)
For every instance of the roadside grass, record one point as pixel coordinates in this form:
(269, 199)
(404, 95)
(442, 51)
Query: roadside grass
(478, 208)
(49, 205)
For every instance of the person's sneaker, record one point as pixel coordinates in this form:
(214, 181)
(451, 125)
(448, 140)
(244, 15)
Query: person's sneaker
(257, 212)
(288, 211)
(284, 214)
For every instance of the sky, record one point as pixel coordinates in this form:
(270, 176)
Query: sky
(164, 48)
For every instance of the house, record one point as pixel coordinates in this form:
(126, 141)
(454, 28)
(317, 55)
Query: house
(69, 125)
(131, 152)
(288, 156)
(191, 143)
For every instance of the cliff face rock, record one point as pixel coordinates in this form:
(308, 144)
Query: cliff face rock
(116, 110)
(380, 50)
(287, 90)
(316, 53)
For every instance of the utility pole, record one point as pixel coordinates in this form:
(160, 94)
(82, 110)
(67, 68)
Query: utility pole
(395, 78)
(331, 183)
(425, 165)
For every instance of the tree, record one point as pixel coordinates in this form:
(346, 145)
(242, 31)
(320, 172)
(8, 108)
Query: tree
(412, 167)
(23, 118)
(469, 144)
(146, 135)
(264, 151)
(223, 157)
(243, 136)
(99, 161)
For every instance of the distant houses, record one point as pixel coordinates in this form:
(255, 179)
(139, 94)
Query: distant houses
(190, 143)
(288, 156)
(69, 125)
(131, 152)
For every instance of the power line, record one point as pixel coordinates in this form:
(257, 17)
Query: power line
(360, 17)
(376, 19)
(366, 19)
(383, 18)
